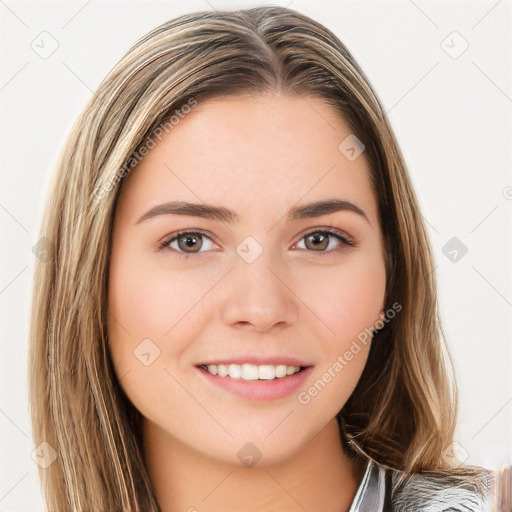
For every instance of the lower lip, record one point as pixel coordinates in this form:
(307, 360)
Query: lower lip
(259, 389)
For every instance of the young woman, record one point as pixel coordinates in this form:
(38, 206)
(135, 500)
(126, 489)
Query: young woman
(238, 309)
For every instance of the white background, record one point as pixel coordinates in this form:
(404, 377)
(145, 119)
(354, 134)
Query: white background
(451, 117)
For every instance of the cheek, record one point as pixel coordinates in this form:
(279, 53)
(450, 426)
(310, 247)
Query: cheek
(146, 312)
(136, 311)
(145, 299)
(351, 298)
(150, 301)
(348, 297)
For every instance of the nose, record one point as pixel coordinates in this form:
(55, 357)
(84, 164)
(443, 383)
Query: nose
(259, 296)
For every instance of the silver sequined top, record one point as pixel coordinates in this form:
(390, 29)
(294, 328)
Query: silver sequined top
(377, 492)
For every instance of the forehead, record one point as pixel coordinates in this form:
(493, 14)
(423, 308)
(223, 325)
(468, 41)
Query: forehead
(249, 153)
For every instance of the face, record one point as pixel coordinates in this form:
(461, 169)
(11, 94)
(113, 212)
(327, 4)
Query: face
(268, 289)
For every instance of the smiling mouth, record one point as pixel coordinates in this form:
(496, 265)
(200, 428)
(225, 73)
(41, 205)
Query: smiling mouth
(252, 371)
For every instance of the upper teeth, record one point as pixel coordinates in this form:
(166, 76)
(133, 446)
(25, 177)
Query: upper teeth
(251, 371)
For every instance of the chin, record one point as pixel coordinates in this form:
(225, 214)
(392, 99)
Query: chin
(259, 450)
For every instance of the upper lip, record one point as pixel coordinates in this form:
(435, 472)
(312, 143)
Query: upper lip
(257, 360)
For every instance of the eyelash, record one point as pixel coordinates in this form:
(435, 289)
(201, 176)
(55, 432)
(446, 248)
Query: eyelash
(164, 244)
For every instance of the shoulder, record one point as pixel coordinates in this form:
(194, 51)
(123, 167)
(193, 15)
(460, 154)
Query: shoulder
(431, 492)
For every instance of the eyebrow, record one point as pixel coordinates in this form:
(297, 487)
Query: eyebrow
(220, 213)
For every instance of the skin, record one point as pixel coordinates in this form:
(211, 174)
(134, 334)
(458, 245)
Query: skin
(259, 156)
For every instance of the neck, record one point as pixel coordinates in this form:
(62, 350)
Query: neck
(319, 478)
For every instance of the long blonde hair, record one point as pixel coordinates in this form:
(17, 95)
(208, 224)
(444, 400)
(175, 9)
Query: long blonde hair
(402, 413)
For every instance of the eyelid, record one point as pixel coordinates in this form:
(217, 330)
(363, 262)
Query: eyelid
(167, 239)
(345, 237)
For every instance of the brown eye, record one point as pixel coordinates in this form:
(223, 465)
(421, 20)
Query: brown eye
(317, 241)
(188, 242)
(320, 240)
